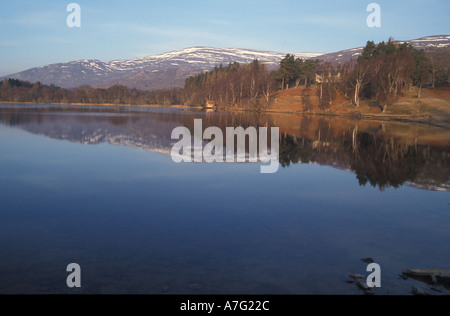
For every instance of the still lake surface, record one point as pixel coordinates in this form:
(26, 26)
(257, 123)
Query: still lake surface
(97, 186)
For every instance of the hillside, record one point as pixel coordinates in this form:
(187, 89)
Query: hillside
(432, 108)
(154, 72)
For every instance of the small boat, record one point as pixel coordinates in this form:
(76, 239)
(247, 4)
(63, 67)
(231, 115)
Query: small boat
(210, 104)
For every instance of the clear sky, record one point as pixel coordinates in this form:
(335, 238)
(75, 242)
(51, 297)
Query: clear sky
(35, 33)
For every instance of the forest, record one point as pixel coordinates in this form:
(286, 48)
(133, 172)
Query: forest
(381, 73)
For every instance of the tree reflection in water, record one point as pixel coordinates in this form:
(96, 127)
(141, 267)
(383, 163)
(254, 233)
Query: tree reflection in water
(381, 153)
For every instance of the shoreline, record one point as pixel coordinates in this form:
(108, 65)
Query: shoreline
(108, 104)
(403, 118)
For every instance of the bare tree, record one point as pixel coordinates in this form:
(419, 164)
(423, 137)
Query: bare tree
(359, 78)
(440, 63)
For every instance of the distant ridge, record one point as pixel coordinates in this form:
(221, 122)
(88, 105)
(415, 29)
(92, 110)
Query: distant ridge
(420, 43)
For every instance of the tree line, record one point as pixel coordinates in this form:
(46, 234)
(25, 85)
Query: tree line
(384, 71)
(14, 90)
(233, 85)
(381, 73)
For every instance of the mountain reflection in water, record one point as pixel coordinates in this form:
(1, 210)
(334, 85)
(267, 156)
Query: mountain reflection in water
(380, 153)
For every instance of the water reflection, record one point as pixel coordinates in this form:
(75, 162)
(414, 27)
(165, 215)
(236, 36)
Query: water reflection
(376, 153)
(137, 222)
(381, 154)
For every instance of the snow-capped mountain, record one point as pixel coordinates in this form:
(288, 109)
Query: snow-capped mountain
(148, 73)
(427, 42)
(171, 69)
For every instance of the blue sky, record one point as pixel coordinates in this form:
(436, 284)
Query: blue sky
(35, 33)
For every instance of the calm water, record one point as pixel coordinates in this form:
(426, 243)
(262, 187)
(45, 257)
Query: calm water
(97, 186)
